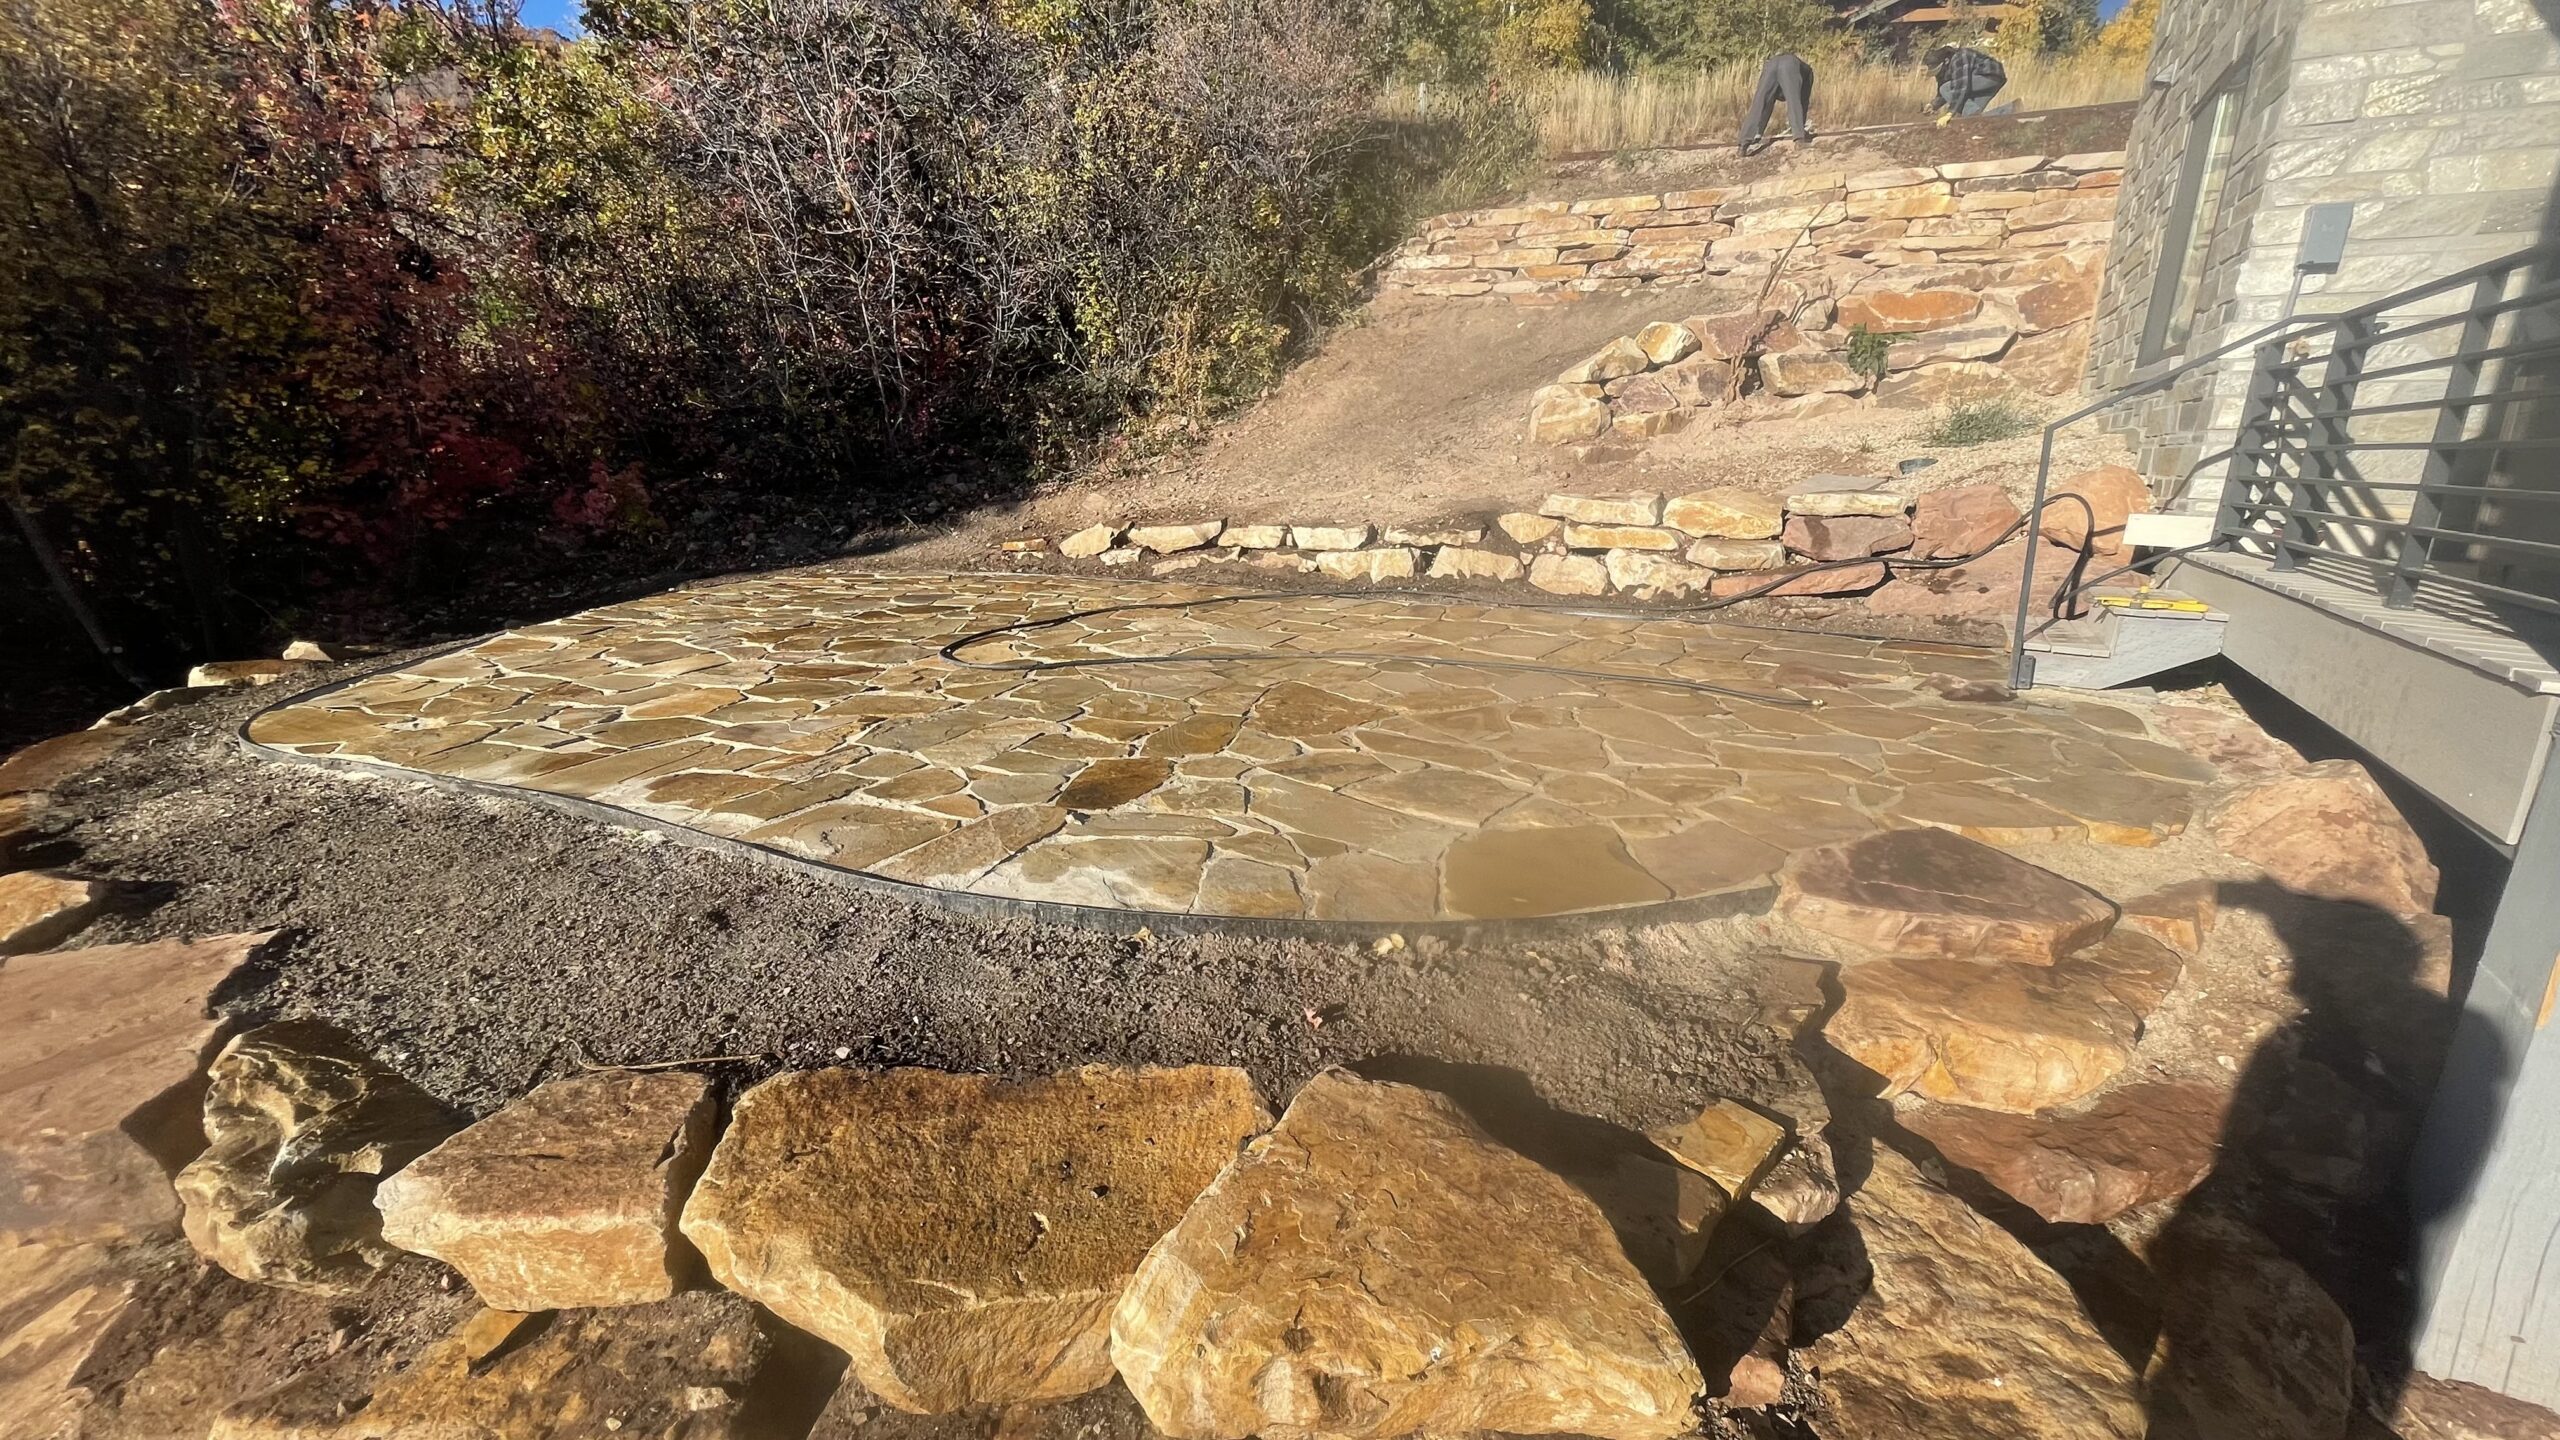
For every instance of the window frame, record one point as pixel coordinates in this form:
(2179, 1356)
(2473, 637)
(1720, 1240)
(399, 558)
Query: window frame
(2230, 88)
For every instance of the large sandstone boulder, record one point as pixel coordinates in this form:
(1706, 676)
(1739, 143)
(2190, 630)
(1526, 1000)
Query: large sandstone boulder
(1620, 357)
(2250, 1347)
(1562, 414)
(1929, 892)
(1846, 537)
(1378, 1266)
(1089, 542)
(962, 1238)
(2112, 493)
(2329, 831)
(1965, 1334)
(2135, 1145)
(2013, 1038)
(1166, 539)
(676, 1370)
(301, 1126)
(99, 1051)
(1960, 520)
(566, 1199)
(40, 908)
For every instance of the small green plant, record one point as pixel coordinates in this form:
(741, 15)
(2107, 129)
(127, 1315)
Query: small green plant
(1979, 423)
(1868, 350)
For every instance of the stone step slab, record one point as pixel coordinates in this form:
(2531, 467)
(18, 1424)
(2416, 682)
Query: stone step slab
(567, 1198)
(2011, 1038)
(1964, 1334)
(1337, 1280)
(300, 1126)
(2136, 1144)
(963, 1239)
(98, 1051)
(1930, 893)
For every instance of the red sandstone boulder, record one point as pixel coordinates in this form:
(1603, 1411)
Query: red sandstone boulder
(2136, 1144)
(2113, 492)
(2327, 830)
(1932, 893)
(1846, 537)
(1960, 521)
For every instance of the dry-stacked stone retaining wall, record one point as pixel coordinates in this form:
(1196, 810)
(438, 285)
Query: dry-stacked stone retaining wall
(1552, 251)
(1976, 280)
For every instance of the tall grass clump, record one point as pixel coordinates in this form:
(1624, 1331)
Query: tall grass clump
(1585, 111)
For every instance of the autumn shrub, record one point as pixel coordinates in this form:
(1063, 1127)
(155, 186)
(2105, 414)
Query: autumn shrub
(386, 299)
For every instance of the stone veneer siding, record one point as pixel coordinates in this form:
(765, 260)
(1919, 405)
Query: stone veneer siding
(2438, 119)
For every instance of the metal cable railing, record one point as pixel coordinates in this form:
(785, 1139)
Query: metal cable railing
(2305, 480)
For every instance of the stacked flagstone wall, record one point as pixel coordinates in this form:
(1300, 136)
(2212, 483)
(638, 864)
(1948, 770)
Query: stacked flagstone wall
(1555, 251)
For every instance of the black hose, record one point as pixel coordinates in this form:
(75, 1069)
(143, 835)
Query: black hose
(951, 651)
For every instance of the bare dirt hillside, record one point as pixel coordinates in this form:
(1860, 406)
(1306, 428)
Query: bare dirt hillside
(1415, 412)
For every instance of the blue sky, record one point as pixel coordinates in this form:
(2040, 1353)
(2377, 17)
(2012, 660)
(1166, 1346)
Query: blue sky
(562, 15)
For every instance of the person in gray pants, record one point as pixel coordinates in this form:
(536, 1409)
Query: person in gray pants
(1785, 74)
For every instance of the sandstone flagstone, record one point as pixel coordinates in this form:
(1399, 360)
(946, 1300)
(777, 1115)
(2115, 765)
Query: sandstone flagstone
(1725, 513)
(42, 907)
(1926, 892)
(51, 764)
(1164, 539)
(1964, 1334)
(2180, 916)
(1335, 1281)
(962, 1238)
(1089, 542)
(300, 1127)
(59, 1304)
(676, 1370)
(565, 1199)
(98, 1051)
(811, 713)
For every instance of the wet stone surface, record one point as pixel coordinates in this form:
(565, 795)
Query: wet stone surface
(809, 712)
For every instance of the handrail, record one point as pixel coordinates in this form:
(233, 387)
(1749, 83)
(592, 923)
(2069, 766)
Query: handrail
(2265, 339)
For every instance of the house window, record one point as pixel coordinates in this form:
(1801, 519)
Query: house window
(2179, 283)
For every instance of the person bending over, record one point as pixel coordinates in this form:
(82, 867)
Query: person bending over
(1785, 75)
(1967, 79)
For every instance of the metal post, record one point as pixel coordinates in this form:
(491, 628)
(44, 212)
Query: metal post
(2426, 506)
(2247, 479)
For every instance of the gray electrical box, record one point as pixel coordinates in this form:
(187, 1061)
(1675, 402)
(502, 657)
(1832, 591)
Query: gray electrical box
(2324, 238)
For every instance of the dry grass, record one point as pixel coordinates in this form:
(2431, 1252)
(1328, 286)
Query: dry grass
(1596, 111)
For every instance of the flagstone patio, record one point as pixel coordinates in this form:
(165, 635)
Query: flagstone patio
(809, 712)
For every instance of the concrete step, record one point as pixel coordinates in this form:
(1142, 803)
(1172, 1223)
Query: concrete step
(2118, 645)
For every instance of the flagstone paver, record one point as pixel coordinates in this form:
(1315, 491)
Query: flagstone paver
(810, 712)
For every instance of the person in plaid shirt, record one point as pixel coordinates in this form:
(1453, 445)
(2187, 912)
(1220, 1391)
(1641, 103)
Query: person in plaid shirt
(1967, 79)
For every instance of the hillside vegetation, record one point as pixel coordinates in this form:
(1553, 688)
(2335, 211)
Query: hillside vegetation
(320, 309)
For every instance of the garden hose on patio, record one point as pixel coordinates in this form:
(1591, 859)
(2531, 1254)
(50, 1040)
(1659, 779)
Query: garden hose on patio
(952, 651)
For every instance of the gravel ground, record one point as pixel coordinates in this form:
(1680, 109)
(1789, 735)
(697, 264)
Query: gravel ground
(482, 943)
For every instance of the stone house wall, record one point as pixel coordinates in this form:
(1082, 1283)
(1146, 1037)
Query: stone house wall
(2439, 120)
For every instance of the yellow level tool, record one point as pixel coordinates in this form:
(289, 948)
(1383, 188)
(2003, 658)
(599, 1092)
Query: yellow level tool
(2154, 602)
